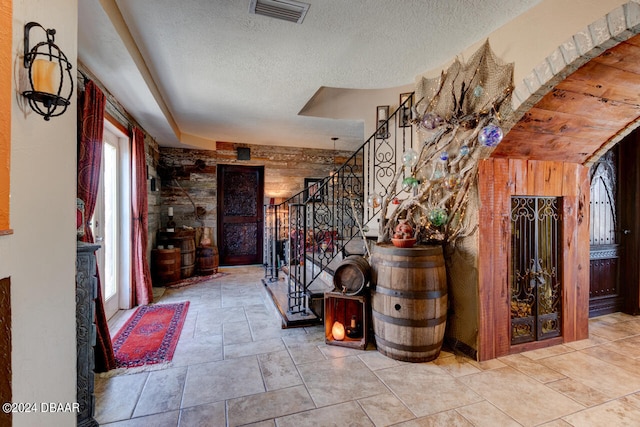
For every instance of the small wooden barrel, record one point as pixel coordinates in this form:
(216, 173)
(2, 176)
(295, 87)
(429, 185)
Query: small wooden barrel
(352, 275)
(207, 260)
(165, 266)
(409, 301)
(186, 241)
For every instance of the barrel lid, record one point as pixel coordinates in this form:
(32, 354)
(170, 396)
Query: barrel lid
(417, 250)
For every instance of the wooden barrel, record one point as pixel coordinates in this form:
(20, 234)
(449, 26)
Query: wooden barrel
(165, 266)
(409, 301)
(352, 275)
(186, 241)
(207, 260)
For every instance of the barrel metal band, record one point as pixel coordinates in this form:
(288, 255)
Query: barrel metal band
(411, 294)
(409, 348)
(419, 323)
(410, 264)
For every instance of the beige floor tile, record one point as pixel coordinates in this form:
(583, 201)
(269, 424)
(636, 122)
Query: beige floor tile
(547, 352)
(446, 418)
(614, 413)
(595, 373)
(579, 392)
(532, 368)
(234, 351)
(611, 332)
(116, 397)
(166, 419)
(268, 405)
(216, 381)
(236, 333)
(209, 415)
(200, 349)
(457, 366)
(268, 423)
(261, 368)
(484, 414)
(162, 392)
(426, 388)
(629, 347)
(348, 414)
(501, 387)
(333, 351)
(385, 409)
(278, 370)
(339, 380)
(305, 353)
(376, 360)
(556, 423)
(611, 354)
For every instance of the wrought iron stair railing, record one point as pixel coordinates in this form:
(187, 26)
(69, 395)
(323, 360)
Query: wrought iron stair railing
(306, 232)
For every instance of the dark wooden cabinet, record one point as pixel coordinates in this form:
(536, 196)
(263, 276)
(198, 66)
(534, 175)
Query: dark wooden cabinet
(86, 292)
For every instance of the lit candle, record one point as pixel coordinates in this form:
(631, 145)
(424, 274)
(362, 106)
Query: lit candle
(337, 331)
(170, 210)
(42, 72)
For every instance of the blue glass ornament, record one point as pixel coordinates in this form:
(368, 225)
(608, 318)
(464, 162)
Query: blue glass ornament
(444, 156)
(478, 91)
(464, 150)
(490, 135)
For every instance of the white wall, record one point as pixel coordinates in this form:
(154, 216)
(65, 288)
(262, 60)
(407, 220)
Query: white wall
(40, 255)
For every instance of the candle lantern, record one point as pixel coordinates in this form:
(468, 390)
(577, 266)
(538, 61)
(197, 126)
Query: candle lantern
(50, 79)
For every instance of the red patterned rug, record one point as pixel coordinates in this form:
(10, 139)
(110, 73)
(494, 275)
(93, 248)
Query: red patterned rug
(150, 336)
(194, 280)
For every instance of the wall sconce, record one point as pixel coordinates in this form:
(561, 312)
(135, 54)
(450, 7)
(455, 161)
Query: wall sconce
(406, 102)
(382, 124)
(48, 67)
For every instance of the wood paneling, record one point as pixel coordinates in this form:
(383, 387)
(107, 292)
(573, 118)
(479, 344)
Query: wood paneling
(499, 179)
(583, 113)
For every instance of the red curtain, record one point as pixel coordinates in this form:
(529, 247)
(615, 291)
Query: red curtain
(141, 275)
(91, 116)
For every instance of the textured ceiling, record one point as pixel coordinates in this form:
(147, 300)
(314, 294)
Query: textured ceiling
(201, 71)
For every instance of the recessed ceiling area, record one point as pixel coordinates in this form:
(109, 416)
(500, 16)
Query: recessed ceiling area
(192, 73)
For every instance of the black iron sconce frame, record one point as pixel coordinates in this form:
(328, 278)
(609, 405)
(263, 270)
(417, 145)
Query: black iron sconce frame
(44, 103)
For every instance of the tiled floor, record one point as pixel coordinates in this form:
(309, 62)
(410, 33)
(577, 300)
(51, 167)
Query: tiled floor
(234, 366)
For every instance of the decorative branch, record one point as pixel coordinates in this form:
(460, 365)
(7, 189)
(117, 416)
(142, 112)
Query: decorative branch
(459, 125)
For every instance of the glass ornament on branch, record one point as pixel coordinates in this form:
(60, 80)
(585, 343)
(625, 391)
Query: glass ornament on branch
(458, 118)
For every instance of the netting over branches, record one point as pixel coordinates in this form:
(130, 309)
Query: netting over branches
(458, 119)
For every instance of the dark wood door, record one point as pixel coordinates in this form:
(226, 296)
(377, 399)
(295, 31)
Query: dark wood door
(605, 295)
(240, 213)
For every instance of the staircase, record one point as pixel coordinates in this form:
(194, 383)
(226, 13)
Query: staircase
(308, 235)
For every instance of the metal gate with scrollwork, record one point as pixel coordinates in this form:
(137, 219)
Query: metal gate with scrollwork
(535, 269)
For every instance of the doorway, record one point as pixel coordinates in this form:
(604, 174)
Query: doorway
(111, 221)
(605, 294)
(240, 214)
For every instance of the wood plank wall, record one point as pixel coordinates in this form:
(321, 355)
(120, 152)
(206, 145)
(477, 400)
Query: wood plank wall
(189, 175)
(499, 179)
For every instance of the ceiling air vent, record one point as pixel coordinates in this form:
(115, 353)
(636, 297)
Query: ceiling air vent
(288, 10)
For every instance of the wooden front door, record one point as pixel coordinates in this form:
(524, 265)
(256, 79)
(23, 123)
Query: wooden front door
(240, 213)
(604, 288)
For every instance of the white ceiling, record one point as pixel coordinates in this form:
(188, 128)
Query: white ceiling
(194, 72)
